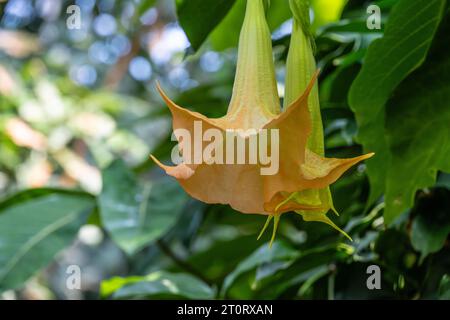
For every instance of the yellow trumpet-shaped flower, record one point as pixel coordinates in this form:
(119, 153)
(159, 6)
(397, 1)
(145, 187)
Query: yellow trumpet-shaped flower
(300, 67)
(254, 108)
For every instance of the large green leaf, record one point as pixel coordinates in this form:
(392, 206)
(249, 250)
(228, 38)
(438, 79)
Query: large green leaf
(216, 266)
(199, 17)
(136, 215)
(34, 227)
(264, 255)
(417, 128)
(408, 36)
(301, 272)
(157, 284)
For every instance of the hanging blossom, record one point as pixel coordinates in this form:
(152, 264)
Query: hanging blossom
(300, 68)
(301, 181)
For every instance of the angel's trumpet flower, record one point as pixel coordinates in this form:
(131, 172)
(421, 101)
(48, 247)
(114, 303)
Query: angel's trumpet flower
(254, 110)
(300, 67)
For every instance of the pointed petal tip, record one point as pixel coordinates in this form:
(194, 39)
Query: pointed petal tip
(307, 91)
(161, 165)
(313, 80)
(157, 161)
(363, 157)
(317, 73)
(269, 218)
(367, 155)
(275, 228)
(161, 92)
(179, 172)
(159, 88)
(345, 234)
(276, 221)
(323, 218)
(333, 209)
(170, 104)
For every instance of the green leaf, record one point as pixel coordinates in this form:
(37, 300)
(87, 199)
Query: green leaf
(199, 17)
(408, 36)
(276, 277)
(326, 11)
(137, 215)
(221, 257)
(307, 268)
(417, 128)
(428, 237)
(431, 224)
(33, 194)
(263, 255)
(157, 284)
(34, 227)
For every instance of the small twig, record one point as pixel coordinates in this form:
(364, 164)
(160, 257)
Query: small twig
(180, 262)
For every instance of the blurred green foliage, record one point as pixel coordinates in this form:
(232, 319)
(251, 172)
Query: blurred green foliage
(80, 115)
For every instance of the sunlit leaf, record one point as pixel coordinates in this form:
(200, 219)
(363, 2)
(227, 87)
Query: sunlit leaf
(326, 11)
(157, 284)
(279, 252)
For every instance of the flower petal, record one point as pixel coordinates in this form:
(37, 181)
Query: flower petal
(321, 217)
